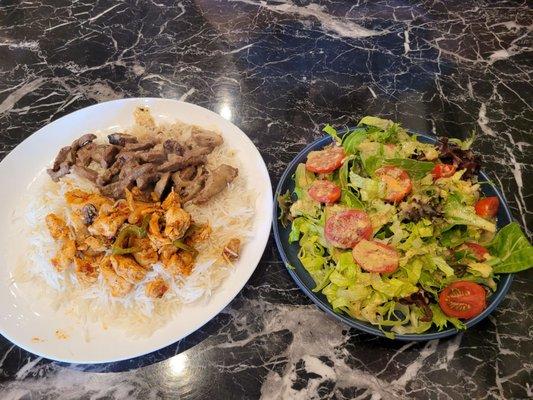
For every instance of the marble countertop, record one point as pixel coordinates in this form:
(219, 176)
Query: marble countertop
(280, 70)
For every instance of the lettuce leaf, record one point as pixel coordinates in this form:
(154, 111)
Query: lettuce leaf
(353, 139)
(415, 169)
(331, 131)
(284, 204)
(380, 123)
(513, 250)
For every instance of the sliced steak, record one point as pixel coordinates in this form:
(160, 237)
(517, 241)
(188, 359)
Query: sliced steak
(162, 184)
(205, 138)
(154, 156)
(83, 140)
(188, 173)
(127, 168)
(173, 147)
(176, 163)
(142, 145)
(120, 139)
(143, 181)
(188, 189)
(85, 172)
(62, 156)
(114, 190)
(64, 169)
(109, 173)
(84, 156)
(105, 155)
(216, 182)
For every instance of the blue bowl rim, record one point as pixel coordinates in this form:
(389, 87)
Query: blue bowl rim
(503, 285)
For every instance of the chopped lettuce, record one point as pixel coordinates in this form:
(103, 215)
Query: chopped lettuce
(457, 213)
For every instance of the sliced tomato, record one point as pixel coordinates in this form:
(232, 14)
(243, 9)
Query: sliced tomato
(324, 191)
(325, 161)
(376, 257)
(463, 299)
(347, 228)
(397, 181)
(487, 207)
(477, 250)
(443, 171)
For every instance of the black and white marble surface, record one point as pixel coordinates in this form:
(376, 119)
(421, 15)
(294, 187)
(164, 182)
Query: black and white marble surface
(280, 70)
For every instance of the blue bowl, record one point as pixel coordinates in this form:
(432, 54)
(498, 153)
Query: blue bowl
(289, 254)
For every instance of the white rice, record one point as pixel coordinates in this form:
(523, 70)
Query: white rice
(230, 215)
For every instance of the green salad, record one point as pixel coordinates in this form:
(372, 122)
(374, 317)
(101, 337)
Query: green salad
(396, 232)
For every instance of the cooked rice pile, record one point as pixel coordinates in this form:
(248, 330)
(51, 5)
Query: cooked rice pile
(230, 215)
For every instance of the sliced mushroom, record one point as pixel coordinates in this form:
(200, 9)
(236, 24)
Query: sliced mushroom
(216, 182)
(89, 213)
(120, 139)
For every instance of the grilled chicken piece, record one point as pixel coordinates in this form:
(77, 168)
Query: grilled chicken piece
(138, 209)
(119, 287)
(80, 198)
(200, 233)
(177, 221)
(87, 269)
(180, 263)
(64, 257)
(156, 288)
(173, 199)
(147, 256)
(128, 269)
(94, 244)
(57, 227)
(232, 249)
(107, 224)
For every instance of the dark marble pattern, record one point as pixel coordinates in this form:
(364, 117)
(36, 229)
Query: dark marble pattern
(283, 69)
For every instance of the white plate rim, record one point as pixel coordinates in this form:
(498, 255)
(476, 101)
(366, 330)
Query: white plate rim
(263, 234)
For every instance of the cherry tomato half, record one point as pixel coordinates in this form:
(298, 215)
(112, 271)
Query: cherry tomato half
(376, 257)
(463, 299)
(324, 191)
(325, 161)
(397, 181)
(477, 250)
(443, 171)
(487, 207)
(346, 228)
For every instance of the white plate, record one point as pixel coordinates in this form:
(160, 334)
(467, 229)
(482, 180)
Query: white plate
(22, 318)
